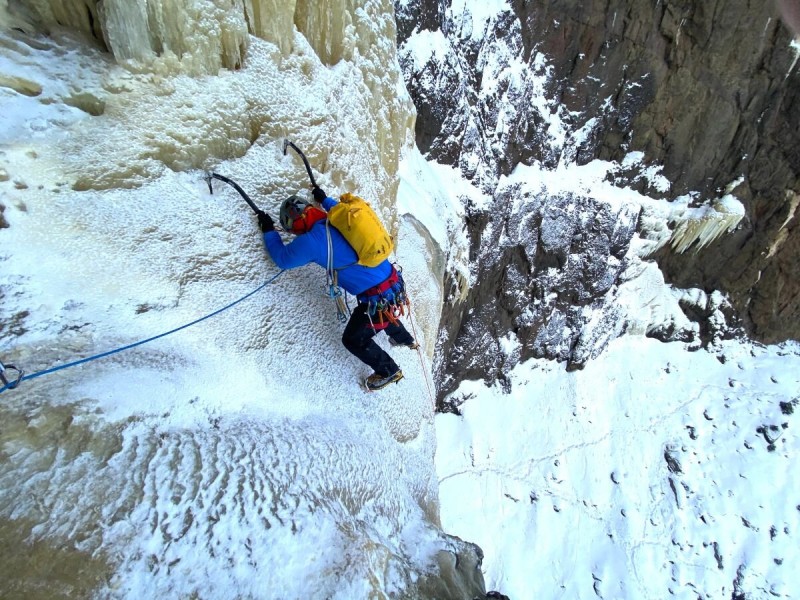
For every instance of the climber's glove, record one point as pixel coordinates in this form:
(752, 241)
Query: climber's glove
(319, 194)
(265, 222)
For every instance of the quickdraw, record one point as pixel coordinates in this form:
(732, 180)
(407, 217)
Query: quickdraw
(334, 291)
(338, 296)
(386, 313)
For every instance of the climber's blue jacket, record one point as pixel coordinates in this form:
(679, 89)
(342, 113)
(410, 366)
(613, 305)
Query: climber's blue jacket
(313, 247)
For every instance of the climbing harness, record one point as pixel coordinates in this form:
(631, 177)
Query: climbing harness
(21, 377)
(387, 301)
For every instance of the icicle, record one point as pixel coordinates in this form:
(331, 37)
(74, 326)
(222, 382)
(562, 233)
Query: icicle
(126, 29)
(79, 15)
(326, 26)
(190, 36)
(272, 20)
(705, 223)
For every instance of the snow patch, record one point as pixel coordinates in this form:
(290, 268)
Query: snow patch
(427, 46)
(473, 18)
(650, 456)
(651, 173)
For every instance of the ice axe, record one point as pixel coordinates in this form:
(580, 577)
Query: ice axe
(210, 176)
(287, 144)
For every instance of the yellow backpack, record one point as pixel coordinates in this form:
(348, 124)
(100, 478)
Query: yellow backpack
(361, 227)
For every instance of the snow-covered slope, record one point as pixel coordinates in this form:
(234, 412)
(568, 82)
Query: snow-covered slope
(653, 473)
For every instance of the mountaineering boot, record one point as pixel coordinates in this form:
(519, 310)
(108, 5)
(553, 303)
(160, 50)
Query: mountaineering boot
(377, 382)
(413, 345)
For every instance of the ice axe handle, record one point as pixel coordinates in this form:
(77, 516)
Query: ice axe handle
(235, 186)
(286, 144)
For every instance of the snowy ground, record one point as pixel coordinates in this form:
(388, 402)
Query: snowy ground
(652, 473)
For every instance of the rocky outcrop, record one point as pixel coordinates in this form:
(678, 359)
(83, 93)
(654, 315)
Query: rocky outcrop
(709, 91)
(547, 288)
(458, 574)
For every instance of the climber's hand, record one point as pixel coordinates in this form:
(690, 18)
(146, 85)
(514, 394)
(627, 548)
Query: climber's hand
(319, 194)
(265, 222)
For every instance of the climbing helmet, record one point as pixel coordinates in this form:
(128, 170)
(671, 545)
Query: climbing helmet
(291, 210)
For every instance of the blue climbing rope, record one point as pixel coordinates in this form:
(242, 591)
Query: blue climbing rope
(20, 376)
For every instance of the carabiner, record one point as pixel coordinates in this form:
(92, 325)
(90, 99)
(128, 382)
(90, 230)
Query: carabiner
(6, 382)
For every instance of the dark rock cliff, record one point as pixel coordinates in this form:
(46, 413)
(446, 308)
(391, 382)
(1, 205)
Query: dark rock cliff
(549, 281)
(710, 91)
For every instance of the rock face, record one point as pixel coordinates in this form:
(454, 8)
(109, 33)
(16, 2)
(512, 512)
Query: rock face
(710, 91)
(546, 289)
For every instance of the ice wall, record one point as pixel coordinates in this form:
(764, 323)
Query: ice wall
(206, 35)
(193, 36)
(285, 91)
(112, 237)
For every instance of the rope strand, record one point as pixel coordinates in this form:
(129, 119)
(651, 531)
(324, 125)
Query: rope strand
(139, 343)
(334, 291)
(421, 360)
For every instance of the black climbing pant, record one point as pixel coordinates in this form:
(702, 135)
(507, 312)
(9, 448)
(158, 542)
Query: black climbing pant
(357, 338)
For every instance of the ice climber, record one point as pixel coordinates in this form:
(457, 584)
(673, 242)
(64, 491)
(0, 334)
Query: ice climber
(312, 244)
